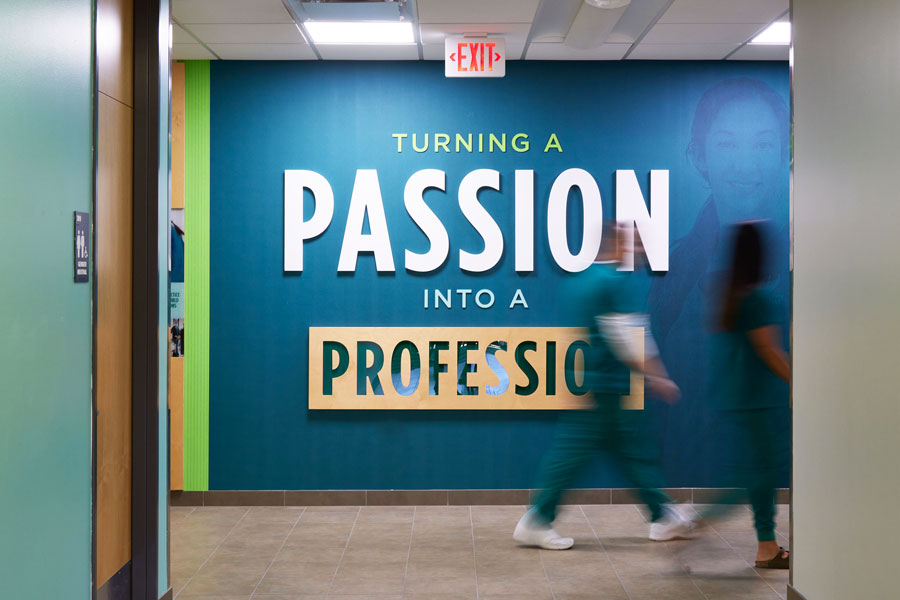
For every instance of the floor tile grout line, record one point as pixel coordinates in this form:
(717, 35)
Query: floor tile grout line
(547, 575)
(409, 548)
(344, 551)
(674, 554)
(605, 553)
(280, 548)
(216, 549)
(746, 562)
(184, 518)
(474, 553)
(690, 575)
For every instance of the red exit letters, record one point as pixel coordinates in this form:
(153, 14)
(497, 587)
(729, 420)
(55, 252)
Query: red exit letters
(474, 57)
(478, 56)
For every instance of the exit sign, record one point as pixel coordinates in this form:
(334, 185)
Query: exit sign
(474, 57)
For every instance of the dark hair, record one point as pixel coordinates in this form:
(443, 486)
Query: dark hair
(726, 92)
(746, 271)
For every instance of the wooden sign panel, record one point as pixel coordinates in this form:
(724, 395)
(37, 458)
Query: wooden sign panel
(452, 368)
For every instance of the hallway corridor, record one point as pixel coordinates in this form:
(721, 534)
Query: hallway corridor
(456, 553)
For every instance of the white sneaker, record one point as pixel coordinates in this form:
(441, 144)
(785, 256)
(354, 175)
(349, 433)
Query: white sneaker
(531, 532)
(674, 524)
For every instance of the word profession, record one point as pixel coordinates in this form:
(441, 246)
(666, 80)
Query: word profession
(451, 368)
(366, 204)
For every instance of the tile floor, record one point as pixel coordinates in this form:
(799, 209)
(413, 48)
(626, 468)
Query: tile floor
(456, 552)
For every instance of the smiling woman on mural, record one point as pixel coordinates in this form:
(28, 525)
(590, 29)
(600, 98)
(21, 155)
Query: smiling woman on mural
(739, 146)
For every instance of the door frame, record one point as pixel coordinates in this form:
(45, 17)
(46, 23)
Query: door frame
(146, 342)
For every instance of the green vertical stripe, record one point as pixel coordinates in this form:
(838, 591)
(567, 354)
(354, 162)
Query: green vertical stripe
(196, 276)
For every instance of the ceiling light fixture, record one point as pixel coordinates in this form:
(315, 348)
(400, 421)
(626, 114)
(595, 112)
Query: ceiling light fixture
(775, 34)
(362, 32)
(608, 3)
(593, 23)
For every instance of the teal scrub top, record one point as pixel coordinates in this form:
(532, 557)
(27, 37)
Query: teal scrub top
(599, 290)
(741, 380)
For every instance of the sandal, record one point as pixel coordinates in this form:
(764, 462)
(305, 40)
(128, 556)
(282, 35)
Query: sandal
(782, 560)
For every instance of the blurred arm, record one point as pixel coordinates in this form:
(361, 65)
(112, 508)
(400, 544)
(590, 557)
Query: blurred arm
(654, 370)
(617, 329)
(765, 343)
(651, 351)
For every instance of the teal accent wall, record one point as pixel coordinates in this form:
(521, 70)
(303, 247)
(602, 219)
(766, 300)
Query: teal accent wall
(45, 348)
(334, 117)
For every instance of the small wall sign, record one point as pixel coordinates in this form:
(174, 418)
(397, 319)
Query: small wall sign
(82, 246)
(474, 57)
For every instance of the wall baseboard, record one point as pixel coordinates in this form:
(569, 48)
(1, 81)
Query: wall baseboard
(793, 594)
(428, 497)
(169, 595)
(118, 587)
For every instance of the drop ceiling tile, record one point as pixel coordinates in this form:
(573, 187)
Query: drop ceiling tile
(724, 11)
(247, 34)
(762, 52)
(190, 52)
(433, 51)
(635, 20)
(230, 11)
(704, 33)
(481, 11)
(435, 33)
(553, 20)
(180, 36)
(263, 51)
(369, 52)
(514, 49)
(681, 51)
(550, 39)
(546, 51)
(617, 37)
(436, 51)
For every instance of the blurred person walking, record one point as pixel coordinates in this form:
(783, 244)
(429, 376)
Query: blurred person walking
(748, 366)
(604, 302)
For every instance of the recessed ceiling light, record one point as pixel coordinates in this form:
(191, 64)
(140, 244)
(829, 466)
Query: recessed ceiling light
(776, 33)
(368, 32)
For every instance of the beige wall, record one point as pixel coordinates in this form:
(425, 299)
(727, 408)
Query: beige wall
(846, 297)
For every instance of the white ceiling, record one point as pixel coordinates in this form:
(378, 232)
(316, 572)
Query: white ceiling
(532, 29)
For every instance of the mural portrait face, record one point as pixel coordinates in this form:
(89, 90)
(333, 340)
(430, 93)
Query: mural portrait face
(743, 160)
(739, 145)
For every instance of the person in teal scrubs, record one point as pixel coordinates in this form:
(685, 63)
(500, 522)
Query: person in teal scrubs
(606, 303)
(749, 369)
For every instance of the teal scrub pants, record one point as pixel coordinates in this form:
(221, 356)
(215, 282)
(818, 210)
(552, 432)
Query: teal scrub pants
(750, 466)
(608, 429)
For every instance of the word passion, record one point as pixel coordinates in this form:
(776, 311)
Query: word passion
(366, 203)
